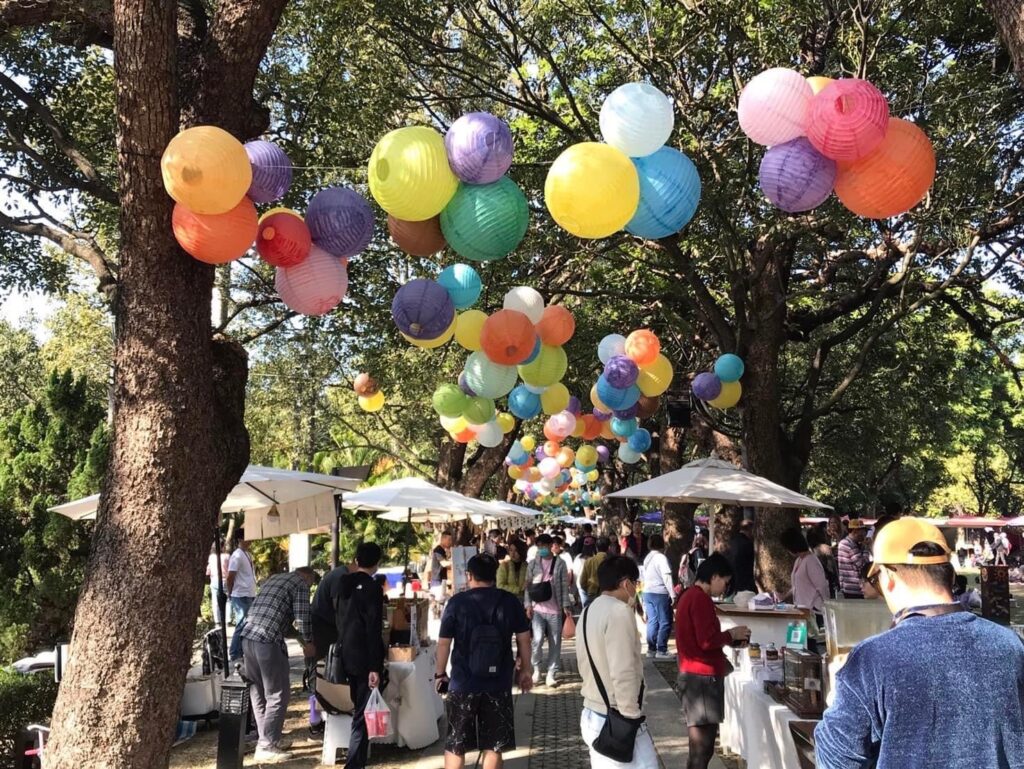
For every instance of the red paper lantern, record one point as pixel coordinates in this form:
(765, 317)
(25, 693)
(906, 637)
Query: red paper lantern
(848, 119)
(283, 239)
(556, 325)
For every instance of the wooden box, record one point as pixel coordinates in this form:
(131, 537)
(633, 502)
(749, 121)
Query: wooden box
(803, 681)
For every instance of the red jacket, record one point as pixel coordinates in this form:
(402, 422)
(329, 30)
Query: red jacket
(699, 635)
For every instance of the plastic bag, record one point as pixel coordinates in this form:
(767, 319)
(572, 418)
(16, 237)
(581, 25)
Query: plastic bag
(378, 716)
(568, 627)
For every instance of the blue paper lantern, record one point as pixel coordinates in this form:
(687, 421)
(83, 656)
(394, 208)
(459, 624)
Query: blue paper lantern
(615, 397)
(669, 194)
(462, 283)
(640, 441)
(627, 455)
(340, 221)
(623, 427)
(522, 403)
(729, 368)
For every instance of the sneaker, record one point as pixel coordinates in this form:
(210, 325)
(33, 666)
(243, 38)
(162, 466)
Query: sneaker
(664, 656)
(252, 736)
(536, 676)
(271, 754)
(650, 654)
(551, 680)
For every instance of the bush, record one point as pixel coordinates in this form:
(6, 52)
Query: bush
(24, 700)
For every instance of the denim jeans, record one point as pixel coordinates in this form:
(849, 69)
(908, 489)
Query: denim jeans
(547, 626)
(658, 608)
(239, 607)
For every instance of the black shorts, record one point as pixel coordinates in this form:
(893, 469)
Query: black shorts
(703, 699)
(480, 721)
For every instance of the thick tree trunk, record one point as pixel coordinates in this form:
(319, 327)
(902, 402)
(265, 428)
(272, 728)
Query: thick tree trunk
(1009, 16)
(483, 466)
(677, 518)
(450, 457)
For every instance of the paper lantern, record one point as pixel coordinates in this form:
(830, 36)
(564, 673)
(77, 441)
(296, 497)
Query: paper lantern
(729, 367)
(729, 397)
(433, 344)
(592, 190)
(773, 106)
(555, 398)
(636, 119)
(818, 83)
(490, 436)
(535, 352)
(627, 413)
(669, 194)
(468, 326)
(610, 346)
(479, 147)
(563, 423)
(623, 428)
(216, 238)
(524, 405)
(536, 390)
(206, 169)
(627, 456)
(315, 286)
(487, 222)
(478, 410)
(364, 384)
(529, 443)
(550, 448)
(591, 427)
(506, 422)
(566, 456)
(586, 455)
(579, 429)
(795, 177)
(621, 372)
(647, 407)
(422, 309)
(487, 378)
(655, 377)
(449, 400)
(556, 325)
(640, 441)
(465, 436)
(417, 238)
(574, 407)
(283, 240)
(642, 346)
(616, 397)
(507, 337)
(603, 454)
(847, 119)
(549, 367)
(706, 386)
(527, 301)
(462, 283)
(371, 403)
(892, 179)
(271, 171)
(549, 467)
(340, 221)
(408, 174)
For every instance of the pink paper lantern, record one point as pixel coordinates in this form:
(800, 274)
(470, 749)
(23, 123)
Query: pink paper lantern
(848, 119)
(315, 286)
(774, 105)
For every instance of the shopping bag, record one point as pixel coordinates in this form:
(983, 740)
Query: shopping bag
(378, 716)
(568, 627)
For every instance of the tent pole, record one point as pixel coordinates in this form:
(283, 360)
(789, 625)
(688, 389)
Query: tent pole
(336, 531)
(405, 557)
(222, 599)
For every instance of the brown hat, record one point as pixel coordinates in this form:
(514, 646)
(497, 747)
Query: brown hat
(855, 523)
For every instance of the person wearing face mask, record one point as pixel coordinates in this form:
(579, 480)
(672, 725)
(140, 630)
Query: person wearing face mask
(702, 663)
(512, 571)
(548, 602)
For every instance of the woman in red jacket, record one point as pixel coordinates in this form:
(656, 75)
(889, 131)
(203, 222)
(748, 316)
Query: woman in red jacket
(702, 663)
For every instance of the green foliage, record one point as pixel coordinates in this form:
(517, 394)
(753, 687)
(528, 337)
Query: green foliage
(24, 700)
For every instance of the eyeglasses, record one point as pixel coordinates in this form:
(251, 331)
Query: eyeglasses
(872, 580)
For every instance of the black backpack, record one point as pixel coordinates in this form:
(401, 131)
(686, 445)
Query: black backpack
(487, 647)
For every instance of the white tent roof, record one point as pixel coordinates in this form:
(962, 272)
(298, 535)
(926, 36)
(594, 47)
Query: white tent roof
(712, 480)
(419, 501)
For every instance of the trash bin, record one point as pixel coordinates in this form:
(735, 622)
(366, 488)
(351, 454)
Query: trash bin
(234, 714)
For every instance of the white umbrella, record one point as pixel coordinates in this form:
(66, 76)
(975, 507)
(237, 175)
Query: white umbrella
(510, 508)
(712, 480)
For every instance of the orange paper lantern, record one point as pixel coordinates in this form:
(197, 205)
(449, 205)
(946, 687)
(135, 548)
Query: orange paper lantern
(642, 347)
(556, 325)
(551, 448)
(417, 238)
(365, 384)
(591, 427)
(216, 238)
(894, 178)
(508, 337)
(818, 83)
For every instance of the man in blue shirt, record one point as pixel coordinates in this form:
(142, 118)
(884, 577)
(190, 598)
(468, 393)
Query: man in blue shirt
(475, 631)
(942, 689)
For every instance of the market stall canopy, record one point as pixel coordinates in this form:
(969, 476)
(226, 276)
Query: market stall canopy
(510, 508)
(712, 480)
(415, 500)
(976, 522)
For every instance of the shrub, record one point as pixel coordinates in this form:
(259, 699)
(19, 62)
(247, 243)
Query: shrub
(24, 700)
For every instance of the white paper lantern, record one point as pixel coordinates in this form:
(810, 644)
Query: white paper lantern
(774, 106)
(627, 455)
(315, 286)
(489, 435)
(637, 119)
(610, 346)
(527, 301)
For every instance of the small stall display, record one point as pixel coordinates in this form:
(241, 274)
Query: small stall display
(995, 594)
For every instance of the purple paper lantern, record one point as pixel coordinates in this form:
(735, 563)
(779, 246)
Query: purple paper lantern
(796, 177)
(271, 171)
(574, 407)
(627, 413)
(465, 387)
(621, 372)
(603, 455)
(340, 221)
(479, 148)
(422, 309)
(601, 416)
(539, 454)
(707, 386)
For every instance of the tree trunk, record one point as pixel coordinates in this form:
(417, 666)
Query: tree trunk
(1009, 16)
(483, 466)
(450, 457)
(677, 518)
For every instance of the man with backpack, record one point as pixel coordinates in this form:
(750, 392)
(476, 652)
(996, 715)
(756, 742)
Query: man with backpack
(475, 631)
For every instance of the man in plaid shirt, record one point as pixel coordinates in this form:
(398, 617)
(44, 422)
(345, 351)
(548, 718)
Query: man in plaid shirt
(283, 601)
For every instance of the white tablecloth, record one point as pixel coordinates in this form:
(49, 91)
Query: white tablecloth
(415, 704)
(757, 727)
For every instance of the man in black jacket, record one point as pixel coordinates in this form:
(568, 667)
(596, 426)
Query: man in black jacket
(741, 557)
(328, 611)
(362, 643)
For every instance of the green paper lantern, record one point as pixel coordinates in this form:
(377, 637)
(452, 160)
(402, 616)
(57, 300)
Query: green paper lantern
(479, 411)
(487, 221)
(547, 368)
(487, 378)
(450, 401)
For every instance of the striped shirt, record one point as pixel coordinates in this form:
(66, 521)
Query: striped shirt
(283, 599)
(852, 558)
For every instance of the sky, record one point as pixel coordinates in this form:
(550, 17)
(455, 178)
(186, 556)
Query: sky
(15, 308)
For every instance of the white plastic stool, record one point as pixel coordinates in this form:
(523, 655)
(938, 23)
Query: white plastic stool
(337, 732)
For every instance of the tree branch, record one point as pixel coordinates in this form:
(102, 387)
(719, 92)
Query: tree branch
(88, 22)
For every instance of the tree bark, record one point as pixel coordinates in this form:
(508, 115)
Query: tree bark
(1009, 16)
(677, 518)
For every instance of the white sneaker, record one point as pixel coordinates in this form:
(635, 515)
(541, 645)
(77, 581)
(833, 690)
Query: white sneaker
(664, 656)
(271, 754)
(536, 675)
(551, 680)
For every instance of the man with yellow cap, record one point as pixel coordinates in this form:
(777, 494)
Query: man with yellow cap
(941, 688)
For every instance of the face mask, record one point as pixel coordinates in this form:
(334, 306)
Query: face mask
(544, 552)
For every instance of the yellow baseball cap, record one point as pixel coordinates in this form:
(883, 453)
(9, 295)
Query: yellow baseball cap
(855, 523)
(895, 541)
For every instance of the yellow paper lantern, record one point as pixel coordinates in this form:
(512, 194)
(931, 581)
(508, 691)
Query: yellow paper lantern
(655, 378)
(818, 83)
(409, 175)
(506, 422)
(597, 402)
(449, 423)
(578, 430)
(206, 169)
(528, 442)
(555, 398)
(372, 403)
(729, 397)
(433, 344)
(593, 475)
(281, 210)
(533, 474)
(515, 472)
(468, 326)
(592, 190)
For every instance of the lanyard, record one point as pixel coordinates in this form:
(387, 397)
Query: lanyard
(928, 610)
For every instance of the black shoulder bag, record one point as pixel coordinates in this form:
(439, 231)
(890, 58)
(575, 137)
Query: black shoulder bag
(618, 735)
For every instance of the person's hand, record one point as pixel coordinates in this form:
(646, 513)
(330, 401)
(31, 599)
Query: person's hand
(374, 680)
(740, 633)
(525, 679)
(529, 612)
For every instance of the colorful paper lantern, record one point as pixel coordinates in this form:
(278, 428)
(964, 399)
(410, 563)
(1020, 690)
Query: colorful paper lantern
(591, 427)
(566, 456)
(549, 467)
(216, 238)
(487, 378)
(627, 413)
(364, 384)
(527, 301)
(706, 386)
(340, 221)
(563, 423)
(655, 377)
(556, 325)
(592, 190)
(627, 456)
(615, 397)
(371, 403)
(729, 397)
(506, 422)
(449, 400)
(478, 410)
(468, 326)
(408, 174)
(422, 238)
(603, 454)
(271, 171)
(586, 455)
(462, 283)
(623, 428)
(610, 346)
(774, 105)
(524, 405)
(529, 443)
(669, 194)
(892, 179)
(642, 346)
(490, 435)
(315, 286)
(640, 441)
(549, 367)
(636, 119)
(555, 398)
(479, 147)
(206, 169)
(795, 177)
(535, 352)
(508, 337)
(433, 344)
(486, 222)
(422, 309)
(283, 240)
(621, 372)
(729, 367)
(847, 119)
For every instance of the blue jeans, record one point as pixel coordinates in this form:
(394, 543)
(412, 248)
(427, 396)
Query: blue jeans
(239, 607)
(549, 626)
(658, 608)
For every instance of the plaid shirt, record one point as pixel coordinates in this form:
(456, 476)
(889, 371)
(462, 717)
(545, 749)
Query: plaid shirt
(283, 599)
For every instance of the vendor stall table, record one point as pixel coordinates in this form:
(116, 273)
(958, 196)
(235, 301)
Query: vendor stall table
(767, 740)
(768, 626)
